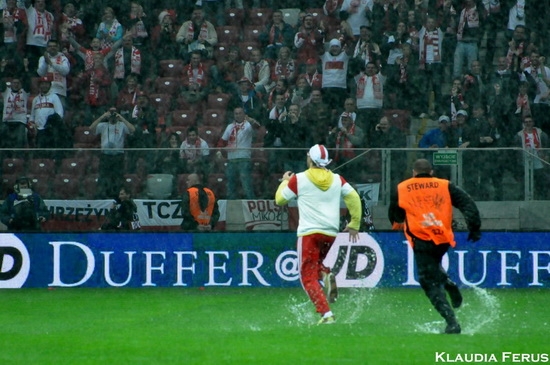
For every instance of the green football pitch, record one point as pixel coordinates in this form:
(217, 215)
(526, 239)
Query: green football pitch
(264, 326)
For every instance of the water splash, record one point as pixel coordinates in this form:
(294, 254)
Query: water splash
(354, 303)
(481, 312)
(299, 312)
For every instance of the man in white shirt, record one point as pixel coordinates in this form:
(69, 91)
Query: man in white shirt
(370, 96)
(14, 116)
(56, 67)
(44, 105)
(41, 26)
(335, 69)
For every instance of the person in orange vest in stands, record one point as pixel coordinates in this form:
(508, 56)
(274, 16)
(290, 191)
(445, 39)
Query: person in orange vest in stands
(199, 206)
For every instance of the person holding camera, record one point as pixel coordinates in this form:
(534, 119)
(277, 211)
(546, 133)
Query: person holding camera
(123, 214)
(113, 129)
(23, 210)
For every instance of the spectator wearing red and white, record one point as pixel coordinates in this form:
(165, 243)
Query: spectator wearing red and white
(312, 75)
(98, 91)
(357, 13)
(109, 30)
(137, 26)
(163, 37)
(277, 34)
(282, 87)
(350, 108)
(41, 27)
(195, 79)
(284, 67)
(13, 27)
(309, 40)
(365, 49)
(69, 24)
(369, 94)
(197, 34)
(430, 64)
(87, 55)
(335, 68)
(44, 104)
(55, 65)
(257, 70)
(194, 151)
(127, 61)
(14, 116)
(127, 96)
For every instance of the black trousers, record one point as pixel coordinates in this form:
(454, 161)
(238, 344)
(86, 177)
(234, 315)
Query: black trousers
(432, 277)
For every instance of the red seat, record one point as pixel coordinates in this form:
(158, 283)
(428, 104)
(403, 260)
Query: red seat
(246, 47)
(180, 131)
(184, 118)
(13, 166)
(211, 134)
(41, 166)
(183, 104)
(229, 34)
(317, 13)
(134, 183)
(170, 68)
(214, 117)
(218, 101)
(259, 165)
(259, 16)
(66, 187)
(221, 52)
(162, 103)
(167, 85)
(251, 33)
(89, 186)
(41, 185)
(74, 167)
(7, 183)
(85, 138)
(217, 183)
(234, 16)
(399, 118)
(93, 165)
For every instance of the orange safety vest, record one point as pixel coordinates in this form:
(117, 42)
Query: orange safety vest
(201, 217)
(427, 203)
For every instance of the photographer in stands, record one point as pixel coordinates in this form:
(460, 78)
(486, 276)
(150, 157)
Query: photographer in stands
(23, 210)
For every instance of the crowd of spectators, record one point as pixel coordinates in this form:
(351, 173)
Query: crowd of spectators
(188, 77)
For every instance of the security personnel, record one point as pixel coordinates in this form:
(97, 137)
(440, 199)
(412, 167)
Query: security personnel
(199, 206)
(423, 207)
(23, 210)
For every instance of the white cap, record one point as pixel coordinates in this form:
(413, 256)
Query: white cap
(319, 155)
(462, 112)
(335, 42)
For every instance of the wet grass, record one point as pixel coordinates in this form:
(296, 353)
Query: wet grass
(261, 326)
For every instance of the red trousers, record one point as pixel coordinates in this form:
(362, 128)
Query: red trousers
(312, 250)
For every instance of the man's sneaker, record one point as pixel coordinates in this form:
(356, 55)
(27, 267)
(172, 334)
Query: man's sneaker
(453, 328)
(454, 293)
(327, 320)
(330, 286)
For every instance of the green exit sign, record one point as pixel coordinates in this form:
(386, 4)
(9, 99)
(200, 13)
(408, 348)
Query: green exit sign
(445, 158)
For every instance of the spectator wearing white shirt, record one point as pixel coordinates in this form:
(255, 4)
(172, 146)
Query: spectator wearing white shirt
(369, 94)
(335, 69)
(55, 65)
(39, 32)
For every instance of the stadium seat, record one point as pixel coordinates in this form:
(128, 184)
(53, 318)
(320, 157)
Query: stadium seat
(218, 101)
(159, 186)
(170, 68)
(41, 166)
(318, 14)
(179, 130)
(246, 47)
(234, 16)
(229, 34)
(251, 33)
(74, 167)
(183, 104)
(259, 16)
(291, 16)
(260, 134)
(259, 165)
(184, 118)
(217, 183)
(13, 166)
(161, 102)
(399, 118)
(92, 165)
(167, 85)
(41, 185)
(258, 184)
(85, 138)
(89, 186)
(214, 117)
(66, 187)
(221, 52)
(211, 134)
(133, 182)
(7, 182)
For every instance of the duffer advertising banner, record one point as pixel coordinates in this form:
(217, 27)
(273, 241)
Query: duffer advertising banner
(499, 260)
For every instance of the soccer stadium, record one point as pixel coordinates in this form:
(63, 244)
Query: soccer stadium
(274, 182)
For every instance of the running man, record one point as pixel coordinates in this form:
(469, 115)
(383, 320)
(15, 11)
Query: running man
(423, 207)
(318, 192)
